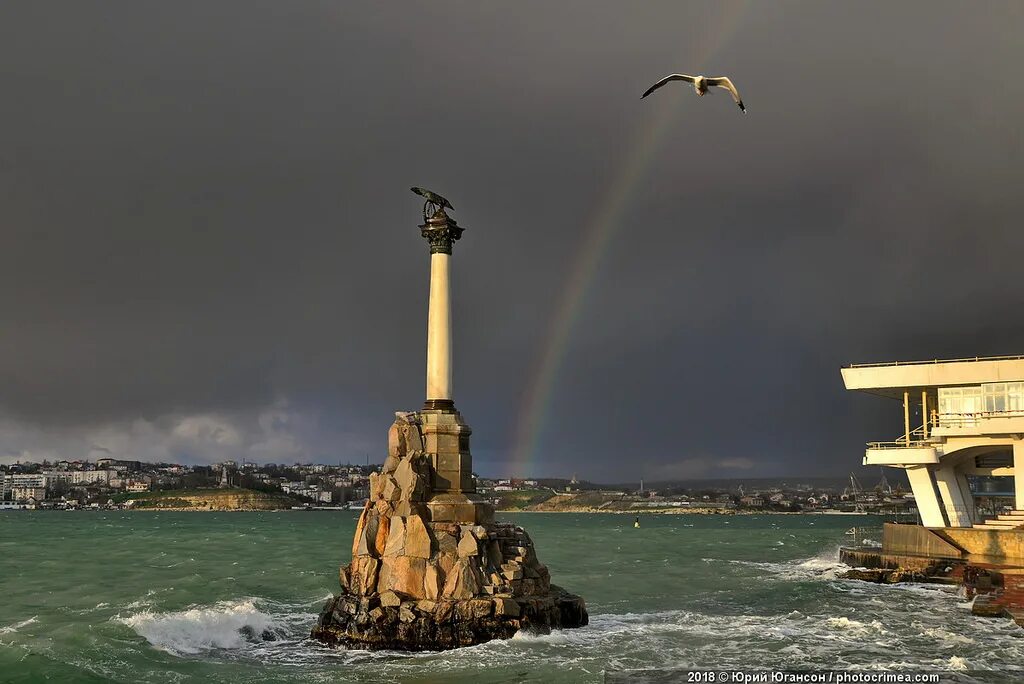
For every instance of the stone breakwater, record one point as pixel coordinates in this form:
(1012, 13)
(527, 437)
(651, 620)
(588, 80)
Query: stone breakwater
(419, 584)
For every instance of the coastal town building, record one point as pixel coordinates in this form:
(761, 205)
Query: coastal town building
(962, 419)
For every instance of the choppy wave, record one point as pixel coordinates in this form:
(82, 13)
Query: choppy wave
(661, 600)
(18, 625)
(225, 625)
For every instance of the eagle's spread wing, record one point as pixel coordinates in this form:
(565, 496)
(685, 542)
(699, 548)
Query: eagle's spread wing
(433, 197)
(670, 77)
(724, 82)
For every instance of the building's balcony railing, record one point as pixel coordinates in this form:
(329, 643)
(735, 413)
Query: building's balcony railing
(969, 419)
(934, 361)
(915, 439)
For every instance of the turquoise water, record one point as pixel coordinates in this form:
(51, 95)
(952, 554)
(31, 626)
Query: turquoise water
(230, 597)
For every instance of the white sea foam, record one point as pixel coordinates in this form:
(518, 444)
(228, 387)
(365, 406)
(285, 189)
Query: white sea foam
(948, 638)
(18, 625)
(225, 625)
(845, 623)
(957, 664)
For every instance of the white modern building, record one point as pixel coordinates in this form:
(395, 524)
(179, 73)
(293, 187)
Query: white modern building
(81, 477)
(21, 481)
(961, 417)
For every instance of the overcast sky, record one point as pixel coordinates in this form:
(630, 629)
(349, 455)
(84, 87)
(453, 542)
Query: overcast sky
(208, 247)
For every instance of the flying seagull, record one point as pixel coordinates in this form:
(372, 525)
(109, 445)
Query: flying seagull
(700, 86)
(433, 198)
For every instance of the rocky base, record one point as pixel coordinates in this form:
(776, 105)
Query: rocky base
(384, 622)
(431, 569)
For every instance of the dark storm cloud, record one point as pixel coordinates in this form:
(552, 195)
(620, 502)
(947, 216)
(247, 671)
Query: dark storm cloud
(208, 246)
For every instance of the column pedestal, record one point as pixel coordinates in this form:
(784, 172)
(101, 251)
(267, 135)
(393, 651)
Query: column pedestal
(446, 442)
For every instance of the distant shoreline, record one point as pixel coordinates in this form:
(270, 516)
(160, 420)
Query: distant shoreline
(685, 511)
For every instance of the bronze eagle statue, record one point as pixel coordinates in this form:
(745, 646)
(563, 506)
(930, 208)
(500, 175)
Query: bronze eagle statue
(433, 199)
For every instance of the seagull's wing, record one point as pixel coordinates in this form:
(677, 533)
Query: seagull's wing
(670, 77)
(724, 82)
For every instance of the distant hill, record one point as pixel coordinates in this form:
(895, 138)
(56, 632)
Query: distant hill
(210, 500)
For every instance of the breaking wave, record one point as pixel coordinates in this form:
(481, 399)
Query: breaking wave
(18, 625)
(225, 625)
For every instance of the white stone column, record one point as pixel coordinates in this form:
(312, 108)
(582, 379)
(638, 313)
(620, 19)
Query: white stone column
(439, 328)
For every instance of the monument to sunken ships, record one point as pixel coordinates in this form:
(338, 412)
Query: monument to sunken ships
(431, 569)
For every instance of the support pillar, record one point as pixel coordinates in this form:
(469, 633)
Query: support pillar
(952, 496)
(1018, 474)
(925, 496)
(924, 413)
(906, 416)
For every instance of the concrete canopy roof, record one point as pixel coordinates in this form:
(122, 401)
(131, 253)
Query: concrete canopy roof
(893, 378)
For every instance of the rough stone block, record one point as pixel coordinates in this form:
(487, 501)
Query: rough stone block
(395, 440)
(417, 538)
(468, 546)
(447, 542)
(506, 607)
(380, 540)
(391, 490)
(494, 557)
(403, 574)
(462, 582)
(511, 575)
(406, 478)
(390, 599)
(443, 612)
(343, 579)
(412, 439)
(396, 537)
(363, 574)
(480, 608)
(359, 540)
(433, 581)
(446, 562)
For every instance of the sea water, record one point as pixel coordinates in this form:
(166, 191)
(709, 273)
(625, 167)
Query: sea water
(231, 597)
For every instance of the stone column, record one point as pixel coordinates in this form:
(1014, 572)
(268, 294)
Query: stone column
(445, 434)
(441, 231)
(439, 330)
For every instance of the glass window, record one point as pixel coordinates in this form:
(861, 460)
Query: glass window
(1015, 396)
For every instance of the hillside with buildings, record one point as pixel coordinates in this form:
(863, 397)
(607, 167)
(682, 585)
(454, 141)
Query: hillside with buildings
(223, 486)
(208, 500)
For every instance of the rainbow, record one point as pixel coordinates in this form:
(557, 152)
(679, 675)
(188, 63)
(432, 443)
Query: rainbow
(601, 228)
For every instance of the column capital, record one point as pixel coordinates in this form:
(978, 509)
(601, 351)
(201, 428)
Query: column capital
(441, 231)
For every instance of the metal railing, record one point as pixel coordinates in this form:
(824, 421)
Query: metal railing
(916, 439)
(960, 419)
(934, 361)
